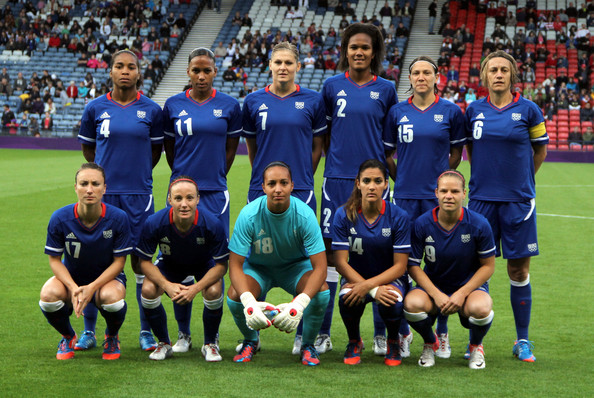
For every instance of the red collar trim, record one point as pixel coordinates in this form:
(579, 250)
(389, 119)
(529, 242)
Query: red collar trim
(109, 97)
(382, 210)
(267, 89)
(348, 76)
(102, 210)
(173, 223)
(516, 98)
(434, 213)
(189, 96)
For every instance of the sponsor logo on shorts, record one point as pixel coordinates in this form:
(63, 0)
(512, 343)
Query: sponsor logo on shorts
(465, 238)
(217, 112)
(386, 232)
(299, 105)
(107, 234)
(374, 95)
(516, 117)
(438, 118)
(200, 241)
(141, 114)
(532, 247)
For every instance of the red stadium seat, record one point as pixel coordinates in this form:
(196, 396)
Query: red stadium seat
(551, 147)
(575, 148)
(563, 147)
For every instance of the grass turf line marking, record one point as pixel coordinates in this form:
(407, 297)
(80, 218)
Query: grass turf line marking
(564, 216)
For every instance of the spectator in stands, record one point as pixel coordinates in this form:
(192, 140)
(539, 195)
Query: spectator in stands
(24, 123)
(47, 122)
(83, 90)
(562, 102)
(246, 20)
(181, 21)
(386, 10)
(588, 136)
(329, 64)
(236, 19)
(586, 113)
(7, 116)
(149, 73)
(575, 138)
(319, 64)
(401, 31)
(229, 75)
(453, 74)
(309, 61)
(50, 106)
(407, 11)
(443, 60)
(392, 72)
(574, 102)
(5, 87)
(220, 51)
(170, 19)
(91, 24)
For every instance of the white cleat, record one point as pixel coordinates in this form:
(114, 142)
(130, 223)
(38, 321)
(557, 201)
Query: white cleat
(405, 342)
(211, 353)
(427, 358)
(162, 352)
(183, 344)
(444, 350)
(477, 357)
(297, 345)
(380, 346)
(323, 343)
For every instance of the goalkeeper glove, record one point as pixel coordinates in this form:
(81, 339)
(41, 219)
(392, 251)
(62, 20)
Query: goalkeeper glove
(291, 313)
(252, 309)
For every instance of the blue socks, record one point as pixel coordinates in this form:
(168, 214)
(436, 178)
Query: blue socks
(520, 295)
(479, 328)
(58, 315)
(114, 315)
(90, 316)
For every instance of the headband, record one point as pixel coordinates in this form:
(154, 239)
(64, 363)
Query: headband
(422, 60)
(456, 172)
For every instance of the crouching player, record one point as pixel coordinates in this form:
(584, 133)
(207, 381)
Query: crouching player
(459, 253)
(191, 242)
(371, 244)
(95, 239)
(277, 242)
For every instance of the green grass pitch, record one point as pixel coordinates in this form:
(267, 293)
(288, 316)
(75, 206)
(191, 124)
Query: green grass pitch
(35, 183)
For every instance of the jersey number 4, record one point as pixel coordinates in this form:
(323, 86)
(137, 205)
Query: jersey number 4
(356, 245)
(104, 130)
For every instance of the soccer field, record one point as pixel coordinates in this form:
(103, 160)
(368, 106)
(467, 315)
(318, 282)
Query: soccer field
(34, 183)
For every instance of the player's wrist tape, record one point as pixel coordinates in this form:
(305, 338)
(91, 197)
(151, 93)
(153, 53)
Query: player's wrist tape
(373, 292)
(247, 299)
(302, 299)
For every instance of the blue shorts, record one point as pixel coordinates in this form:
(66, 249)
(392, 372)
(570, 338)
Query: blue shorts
(137, 207)
(402, 284)
(415, 207)
(286, 278)
(216, 202)
(176, 275)
(449, 290)
(513, 224)
(335, 193)
(305, 195)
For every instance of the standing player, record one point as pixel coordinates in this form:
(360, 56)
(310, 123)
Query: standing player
(507, 144)
(459, 253)
(357, 103)
(191, 242)
(286, 122)
(95, 240)
(371, 245)
(428, 134)
(202, 129)
(122, 132)
(277, 242)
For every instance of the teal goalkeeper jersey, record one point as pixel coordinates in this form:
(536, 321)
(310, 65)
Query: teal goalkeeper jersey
(276, 240)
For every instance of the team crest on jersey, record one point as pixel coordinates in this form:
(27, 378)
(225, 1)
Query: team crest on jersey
(516, 117)
(353, 231)
(200, 241)
(107, 234)
(438, 118)
(532, 247)
(374, 94)
(299, 105)
(141, 114)
(217, 112)
(386, 232)
(465, 238)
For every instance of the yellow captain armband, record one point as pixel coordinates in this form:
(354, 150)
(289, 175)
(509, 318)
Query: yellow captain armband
(537, 131)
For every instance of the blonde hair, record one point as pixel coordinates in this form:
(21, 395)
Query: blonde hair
(500, 54)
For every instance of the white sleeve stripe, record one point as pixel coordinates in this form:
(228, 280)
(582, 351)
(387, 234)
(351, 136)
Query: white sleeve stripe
(487, 251)
(122, 250)
(415, 260)
(169, 133)
(541, 138)
(457, 141)
(55, 249)
(320, 129)
(82, 137)
(389, 144)
(156, 138)
(328, 117)
(234, 131)
(220, 257)
(340, 243)
(249, 132)
(146, 254)
(401, 247)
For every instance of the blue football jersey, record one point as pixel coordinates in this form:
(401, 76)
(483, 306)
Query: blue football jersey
(123, 136)
(276, 240)
(372, 246)
(200, 131)
(502, 166)
(188, 253)
(451, 257)
(422, 140)
(88, 252)
(356, 115)
(284, 129)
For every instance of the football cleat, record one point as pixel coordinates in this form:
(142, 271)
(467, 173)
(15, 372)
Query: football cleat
(309, 355)
(162, 352)
(183, 343)
(467, 353)
(297, 345)
(111, 347)
(427, 358)
(323, 343)
(147, 341)
(211, 353)
(523, 350)
(379, 345)
(66, 348)
(477, 357)
(393, 357)
(248, 350)
(86, 341)
(444, 351)
(405, 342)
(352, 355)
(238, 347)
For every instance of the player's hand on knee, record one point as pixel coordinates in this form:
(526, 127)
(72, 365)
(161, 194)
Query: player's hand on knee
(254, 315)
(387, 295)
(291, 313)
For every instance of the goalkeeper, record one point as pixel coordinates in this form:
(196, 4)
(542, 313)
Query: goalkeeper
(277, 242)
